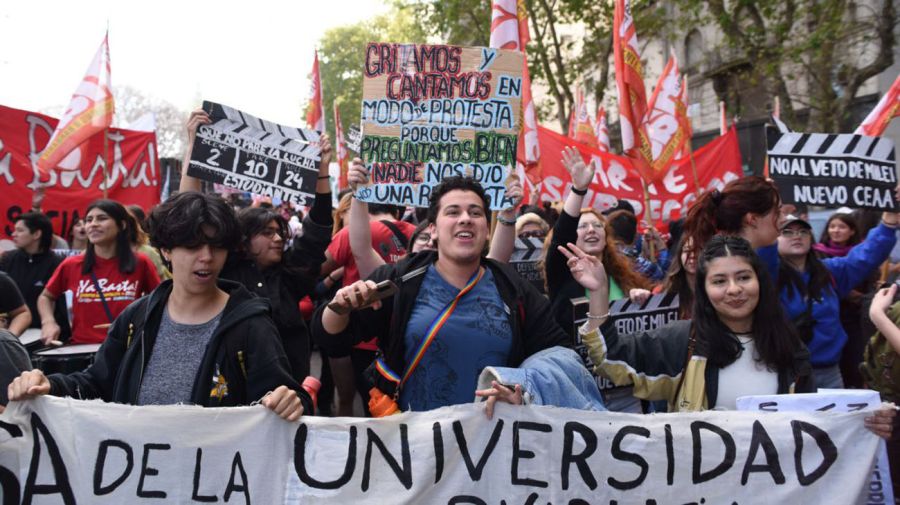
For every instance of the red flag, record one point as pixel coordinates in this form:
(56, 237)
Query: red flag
(581, 126)
(509, 30)
(342, 157)
(601, 131)
(664, 126)
(632, 95)
(718, 162)
(315, 111)
(887, 108)
(90, 111)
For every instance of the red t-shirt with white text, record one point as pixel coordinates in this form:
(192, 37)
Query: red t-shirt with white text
(383, 241)
(119, 290)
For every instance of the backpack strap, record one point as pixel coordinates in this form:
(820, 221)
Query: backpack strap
(402, 239)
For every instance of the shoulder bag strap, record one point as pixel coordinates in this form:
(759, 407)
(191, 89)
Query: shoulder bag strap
(102, 298)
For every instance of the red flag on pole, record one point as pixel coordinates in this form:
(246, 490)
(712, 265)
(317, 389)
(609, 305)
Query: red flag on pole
(632, 95)
(601, 130)
(315, 112)
(509, 30)
(667, 134)
(342, 155)
(90, 111)
(581, 126)
(887, 108)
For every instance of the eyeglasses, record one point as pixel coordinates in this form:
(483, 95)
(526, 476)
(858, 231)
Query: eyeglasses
(533, 234)
(585, 226)
(423, 238)
(789, 233)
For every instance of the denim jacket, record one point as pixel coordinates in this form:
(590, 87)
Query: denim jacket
(554, 376)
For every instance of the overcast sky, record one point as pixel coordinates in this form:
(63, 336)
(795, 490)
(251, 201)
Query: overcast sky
(253, 56)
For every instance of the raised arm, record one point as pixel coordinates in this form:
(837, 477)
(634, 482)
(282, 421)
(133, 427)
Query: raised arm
(565, 229)
(197, 118)
(367, 260)
(504, 240)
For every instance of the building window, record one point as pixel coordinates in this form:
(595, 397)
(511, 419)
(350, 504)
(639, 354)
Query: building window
(693, 51)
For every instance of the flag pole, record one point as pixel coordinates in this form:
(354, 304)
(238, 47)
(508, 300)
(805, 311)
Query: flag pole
(105, 163)
(649, 217)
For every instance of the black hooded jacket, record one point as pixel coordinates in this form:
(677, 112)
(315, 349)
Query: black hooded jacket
(244, 358)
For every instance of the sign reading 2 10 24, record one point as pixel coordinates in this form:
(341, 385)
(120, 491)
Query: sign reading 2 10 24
(434, 111)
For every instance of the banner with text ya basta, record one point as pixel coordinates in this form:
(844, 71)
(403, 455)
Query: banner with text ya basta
(68, 451)
(718, 162)
(133, 176)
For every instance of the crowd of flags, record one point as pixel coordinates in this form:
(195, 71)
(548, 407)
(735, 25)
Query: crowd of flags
(654, 133)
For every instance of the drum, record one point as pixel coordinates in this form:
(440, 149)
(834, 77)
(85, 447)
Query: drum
(31, 339)
(65, 359)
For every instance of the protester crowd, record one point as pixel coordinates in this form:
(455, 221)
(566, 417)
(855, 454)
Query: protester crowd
(222, 301)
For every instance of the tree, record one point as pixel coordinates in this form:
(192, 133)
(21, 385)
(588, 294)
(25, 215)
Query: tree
(831, 47)
(342, 58)
(553, 59)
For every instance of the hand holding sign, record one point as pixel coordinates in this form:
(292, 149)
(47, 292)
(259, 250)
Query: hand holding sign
(29, 385)
(284, 402)
(498, 392)
(881, 422)
(514, 191)
(198, 117)
(357, 174)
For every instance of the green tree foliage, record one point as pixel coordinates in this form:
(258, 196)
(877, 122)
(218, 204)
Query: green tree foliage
(559, 61)
(342, 57)
(830, 47)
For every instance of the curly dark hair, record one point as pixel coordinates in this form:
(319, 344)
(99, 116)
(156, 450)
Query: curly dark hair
(191, 219)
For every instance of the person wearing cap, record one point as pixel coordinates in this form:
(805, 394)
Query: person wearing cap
(531, 225)
(811, 288)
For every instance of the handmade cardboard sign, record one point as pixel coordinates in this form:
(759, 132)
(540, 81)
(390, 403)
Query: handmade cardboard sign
(430, 112)
(834, 170)
(246, 153)
(69, 451)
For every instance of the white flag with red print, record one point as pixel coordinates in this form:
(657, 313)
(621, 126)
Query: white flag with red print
(315, 112)
(602, 130)
(581, 125)
(509, 30)
(632, 93)
(663, 126)
(90, 111)
(888, 108)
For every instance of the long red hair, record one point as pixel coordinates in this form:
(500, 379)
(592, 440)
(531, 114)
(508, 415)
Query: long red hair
(617, 265)
(723, 211)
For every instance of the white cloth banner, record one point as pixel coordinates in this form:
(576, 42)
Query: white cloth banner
(67, 451)
(879, 490)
